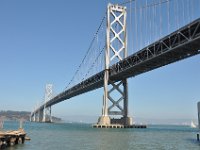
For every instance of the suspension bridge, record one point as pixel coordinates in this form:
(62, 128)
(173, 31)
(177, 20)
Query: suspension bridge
(160, 32)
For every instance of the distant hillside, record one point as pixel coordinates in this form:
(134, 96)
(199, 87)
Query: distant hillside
(16, 115)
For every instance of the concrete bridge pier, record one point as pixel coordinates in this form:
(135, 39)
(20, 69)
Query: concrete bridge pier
(32, 117)
(47, 115)
(38, 116)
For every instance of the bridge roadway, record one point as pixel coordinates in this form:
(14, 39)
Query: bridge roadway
(179, 45)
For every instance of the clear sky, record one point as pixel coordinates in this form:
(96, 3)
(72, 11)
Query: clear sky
(44, 42)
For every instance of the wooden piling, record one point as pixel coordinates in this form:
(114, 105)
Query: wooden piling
(11, 138)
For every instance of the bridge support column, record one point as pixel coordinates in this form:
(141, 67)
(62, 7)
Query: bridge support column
(34, 117)
(37, 117)
(47, 109)
(31, 117)
(40, 115)
(115, 93)
(47, 114)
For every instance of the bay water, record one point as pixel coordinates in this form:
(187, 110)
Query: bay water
(80, 136)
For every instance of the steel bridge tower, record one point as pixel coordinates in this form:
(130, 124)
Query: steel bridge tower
(47, 110)
(116, 50)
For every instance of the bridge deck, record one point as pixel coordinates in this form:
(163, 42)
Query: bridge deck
(179, 45)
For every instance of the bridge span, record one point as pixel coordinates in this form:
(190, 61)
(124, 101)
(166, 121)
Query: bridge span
(181, 44)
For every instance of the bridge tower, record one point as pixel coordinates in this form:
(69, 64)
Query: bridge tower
(116, 50)
(47, 110)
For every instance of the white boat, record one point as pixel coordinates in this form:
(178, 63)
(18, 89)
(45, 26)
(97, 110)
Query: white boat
(192, 125)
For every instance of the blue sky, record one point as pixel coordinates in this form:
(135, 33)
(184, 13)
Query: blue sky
(44, 41)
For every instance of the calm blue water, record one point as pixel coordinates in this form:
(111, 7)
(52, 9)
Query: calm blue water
(66, 136)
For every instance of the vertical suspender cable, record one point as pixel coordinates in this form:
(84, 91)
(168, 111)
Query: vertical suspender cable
(192, 11)
(183, 13)
(140, 26)
(188, 11)
(131, 30)
(155, 20)
(168, 16)
(160, 19)
(136, 29)
(145, 23)
(150, 20)
(177, 8)
(154, 23)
